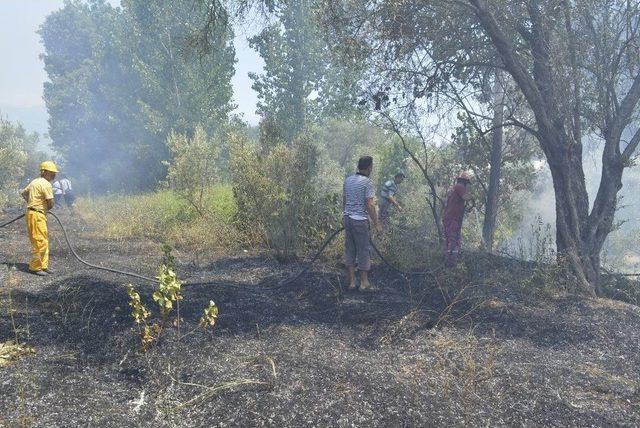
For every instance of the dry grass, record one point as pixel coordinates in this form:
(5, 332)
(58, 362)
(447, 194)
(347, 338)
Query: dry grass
(11, 352)
(462, 364)
(458, 369)
(213, 391)
(165, 216)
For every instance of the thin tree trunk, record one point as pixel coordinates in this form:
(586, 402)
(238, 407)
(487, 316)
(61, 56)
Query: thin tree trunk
(495, 163)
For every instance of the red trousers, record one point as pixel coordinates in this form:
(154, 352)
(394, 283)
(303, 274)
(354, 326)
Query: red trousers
(452, 233)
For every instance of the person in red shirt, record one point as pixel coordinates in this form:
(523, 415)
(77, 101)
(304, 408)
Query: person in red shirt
(452, 218)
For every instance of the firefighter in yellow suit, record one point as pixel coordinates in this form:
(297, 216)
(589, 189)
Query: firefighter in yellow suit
(39, 197)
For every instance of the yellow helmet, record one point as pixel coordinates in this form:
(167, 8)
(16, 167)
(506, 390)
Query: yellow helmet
(48, 166)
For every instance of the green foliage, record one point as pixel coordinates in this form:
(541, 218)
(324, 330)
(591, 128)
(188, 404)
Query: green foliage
(140, 314)
(138, 311)
(344, 141)
(121, 79)
(169, 290)
(194, 166)
(180, 89)
(167, 296)
(517, 167)
(277, 196)
(18, 160)
(210, 317)
(302, 81)
(168, 259)
(167, 217)
(291, 66)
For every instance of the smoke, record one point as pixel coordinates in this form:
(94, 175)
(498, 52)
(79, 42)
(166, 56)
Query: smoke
(535, 236)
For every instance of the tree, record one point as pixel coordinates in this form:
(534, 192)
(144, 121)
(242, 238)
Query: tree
(575, 63)
(560, 91)
(280, 201)
(500, 156)
(501, 159)
(82, 60)
(18, 157)
(495, 166)
(302, 81)
(179, 89)
(193, 167)
(421, 149)
(122, 78)
(290, 49)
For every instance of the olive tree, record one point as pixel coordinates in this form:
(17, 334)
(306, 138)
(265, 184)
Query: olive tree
(575, 64)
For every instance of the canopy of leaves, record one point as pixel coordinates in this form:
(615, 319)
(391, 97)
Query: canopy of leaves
(122, 78)
(18, 157)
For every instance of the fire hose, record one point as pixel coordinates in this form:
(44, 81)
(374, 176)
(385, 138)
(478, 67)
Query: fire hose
(278, 285)
(91, 265)
(11, 221)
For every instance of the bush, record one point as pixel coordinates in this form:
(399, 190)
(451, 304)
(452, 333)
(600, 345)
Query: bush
(276, 188)
(411, 242)
(194, 166)
(17, 158)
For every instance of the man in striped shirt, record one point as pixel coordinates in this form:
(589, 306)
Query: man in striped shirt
(358, 207)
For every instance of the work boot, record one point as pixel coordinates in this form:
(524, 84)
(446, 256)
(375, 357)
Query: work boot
(38, 272)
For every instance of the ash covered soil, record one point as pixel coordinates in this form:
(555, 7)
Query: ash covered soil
(422, 351)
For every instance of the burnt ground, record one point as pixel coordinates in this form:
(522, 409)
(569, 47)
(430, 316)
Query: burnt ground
(470, 347)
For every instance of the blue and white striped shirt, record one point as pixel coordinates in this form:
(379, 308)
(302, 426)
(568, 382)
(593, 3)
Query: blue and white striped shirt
(357, 189)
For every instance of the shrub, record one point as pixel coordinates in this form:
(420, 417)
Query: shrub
(194, 166)
(275, 188)
(167, 297)
(18, 160)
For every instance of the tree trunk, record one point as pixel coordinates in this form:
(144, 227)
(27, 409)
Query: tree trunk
(580, 235)
(434, 203)
(495, 163)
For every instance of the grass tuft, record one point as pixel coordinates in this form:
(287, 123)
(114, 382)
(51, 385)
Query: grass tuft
(166, 217)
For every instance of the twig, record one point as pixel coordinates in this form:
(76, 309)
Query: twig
(211, 392)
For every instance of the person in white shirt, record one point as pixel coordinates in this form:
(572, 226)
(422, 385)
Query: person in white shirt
(67, 191)
(58, 193)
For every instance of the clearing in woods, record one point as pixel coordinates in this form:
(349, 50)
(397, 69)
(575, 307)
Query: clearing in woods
(418, 352)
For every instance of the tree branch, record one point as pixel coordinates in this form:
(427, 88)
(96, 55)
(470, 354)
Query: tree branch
(510, 59)
(631, 147)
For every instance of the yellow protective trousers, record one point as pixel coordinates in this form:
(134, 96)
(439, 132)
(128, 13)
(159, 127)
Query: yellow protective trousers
(39, 237)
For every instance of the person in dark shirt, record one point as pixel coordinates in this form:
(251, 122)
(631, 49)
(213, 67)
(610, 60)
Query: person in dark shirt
(388, 198)
(453, 216)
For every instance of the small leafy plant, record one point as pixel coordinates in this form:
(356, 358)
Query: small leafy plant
(210, 317)
(169, 291)
(167, 296)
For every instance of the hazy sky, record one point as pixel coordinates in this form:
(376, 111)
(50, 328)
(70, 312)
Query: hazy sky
(22, 73)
